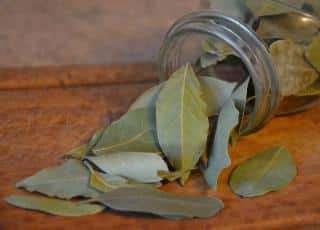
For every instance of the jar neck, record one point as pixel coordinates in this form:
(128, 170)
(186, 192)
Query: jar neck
(243, 42)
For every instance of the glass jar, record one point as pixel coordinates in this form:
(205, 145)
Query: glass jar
(243, 30)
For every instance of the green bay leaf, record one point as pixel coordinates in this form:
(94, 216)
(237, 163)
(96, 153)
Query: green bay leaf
(133, 132)
(139, 166)
(313, 52)
(216, 92)
(181, 117)
(294, 73)
(218, 154)
(152, 201)
(269, 170)
(68, 180)
(54, 206)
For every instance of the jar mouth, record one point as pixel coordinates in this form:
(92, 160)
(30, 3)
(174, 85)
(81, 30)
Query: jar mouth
(244, 42)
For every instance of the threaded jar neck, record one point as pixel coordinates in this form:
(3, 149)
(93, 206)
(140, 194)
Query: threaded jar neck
(243, 41)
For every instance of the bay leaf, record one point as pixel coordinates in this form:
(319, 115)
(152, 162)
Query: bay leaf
(82, 150)
(78, 152)
(68, 180)
(182, 122)
(147, 99)
(152, 201)
(269, 170)
(239, 97)
(54, 206)
(263, 8)
(313, 52)
(311, 90)
(218, 154)
(135, 132)
(216, 92)
(287, 26)
(208, 59)
(172, 176)
(139, 166)
(97, 181)
(294, 73)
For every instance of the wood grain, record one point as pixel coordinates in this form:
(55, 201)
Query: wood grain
(38, 125)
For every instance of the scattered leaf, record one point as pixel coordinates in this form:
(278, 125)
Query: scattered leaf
(216, 92)
(54, 206)
(135, 131)
(313, 52)
(141, 167)
(181, 116)
(269, 170)
(68, 180)
(145, 200)
(294, 73)
(218, 155)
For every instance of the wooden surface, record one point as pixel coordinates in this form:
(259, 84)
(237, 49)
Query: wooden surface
(39, 124)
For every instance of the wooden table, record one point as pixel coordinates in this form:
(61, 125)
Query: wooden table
(47, 111)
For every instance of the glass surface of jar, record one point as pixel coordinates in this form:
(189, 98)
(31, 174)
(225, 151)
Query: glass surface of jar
(263, 40)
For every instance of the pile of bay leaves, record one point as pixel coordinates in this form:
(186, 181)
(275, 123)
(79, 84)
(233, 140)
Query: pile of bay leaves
(181, 125)
(293, 40)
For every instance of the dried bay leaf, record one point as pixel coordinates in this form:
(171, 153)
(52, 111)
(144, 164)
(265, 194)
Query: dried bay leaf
(147, 99)
(263, 8)
(311, 90)
(133, 132)
(294, 73)
(82, 150)
(239, 97)
(287, 26)
(269, 170)
(181, 117)
(139, 166)
(216, 92)
(68, 180)
(54, 206)
(146, 200)
(313, 52)
(218, 154)
(78, 152)
(97, 181)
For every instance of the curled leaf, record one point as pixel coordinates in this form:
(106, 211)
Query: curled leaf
(218, 153)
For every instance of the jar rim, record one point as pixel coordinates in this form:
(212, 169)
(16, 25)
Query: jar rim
(257, 118)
